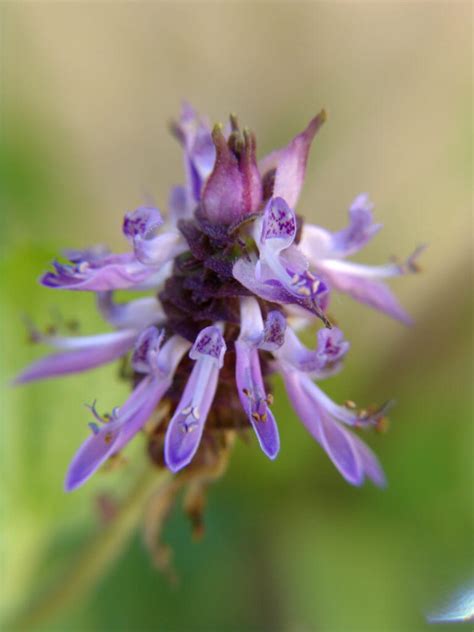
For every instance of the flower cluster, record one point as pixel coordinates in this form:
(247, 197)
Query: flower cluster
(233, 273)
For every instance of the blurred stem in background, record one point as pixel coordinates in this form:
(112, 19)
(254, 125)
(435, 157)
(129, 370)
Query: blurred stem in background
(97, 556)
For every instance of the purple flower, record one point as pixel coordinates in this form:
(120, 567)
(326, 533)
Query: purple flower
(232, 275)
(325, 422)
(187, 424)
(81, 353)
(280, 272)
(158, 365)
(327, 253)
(324, 419)
(195, 137)
(143, 268)
(254, 336)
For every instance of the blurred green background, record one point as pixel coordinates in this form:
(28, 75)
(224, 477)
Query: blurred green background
(87, 91)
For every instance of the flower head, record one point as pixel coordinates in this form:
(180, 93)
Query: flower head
(227, 272)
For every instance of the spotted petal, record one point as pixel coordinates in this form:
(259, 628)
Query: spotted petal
(111, 437)
(187, 424)
(112, 272)
(254, 399)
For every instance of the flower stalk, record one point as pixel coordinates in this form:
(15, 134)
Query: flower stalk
(97, 557)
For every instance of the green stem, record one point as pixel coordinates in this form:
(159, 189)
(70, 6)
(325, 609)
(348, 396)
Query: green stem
(96, 558)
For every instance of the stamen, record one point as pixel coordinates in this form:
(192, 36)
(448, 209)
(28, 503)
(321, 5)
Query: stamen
(382, 424)
(100, 418)
(304, 291)
(315, 286)
(188, 427)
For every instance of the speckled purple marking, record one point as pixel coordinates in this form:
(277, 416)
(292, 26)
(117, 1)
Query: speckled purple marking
(274, 330)
(210, 343)
(279, 222)
(141, 222)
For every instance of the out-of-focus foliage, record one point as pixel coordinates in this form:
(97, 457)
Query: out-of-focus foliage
(87, 91)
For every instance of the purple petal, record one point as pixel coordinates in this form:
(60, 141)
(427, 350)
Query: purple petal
(95, 351)
(187, 425)
(351, 457)
(368, 291)
(274, 331)
(143, 222)
(113, 272)
(222, 197)
(251, 321)
(209, 344)
(370, 464)
(136, 314)
(113, 436)
(338, 444)
(200, 154)
(316, 243)
(151, 248)
(278, 226)
(331, 348)
(170, 356)
(254, 400)
(320, 362)
(93, 452)
(146, 350)
(361, 228)
(271, 289)
(155, 251)
(137, 413)
(290, 163)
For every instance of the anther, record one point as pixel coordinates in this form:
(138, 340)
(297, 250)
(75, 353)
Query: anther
(382, 424)
(304, 291)
(350, 404)
(187, 428)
